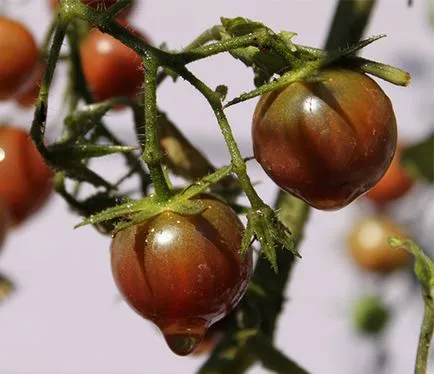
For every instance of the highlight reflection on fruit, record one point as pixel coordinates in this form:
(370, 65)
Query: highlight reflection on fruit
(183, 273)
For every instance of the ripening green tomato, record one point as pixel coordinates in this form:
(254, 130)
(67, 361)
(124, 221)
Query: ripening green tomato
(326, 142)
(25, 179)
(369, 248)
(183, 273)
(370, 315)
(18, 57)
(110, 67)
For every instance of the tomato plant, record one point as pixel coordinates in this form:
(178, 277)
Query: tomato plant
(328, 141)
(394, 184)
(111, 68)
(19, 55)
(369, 247)
(183, 272)
(25, 179)
(100, 4)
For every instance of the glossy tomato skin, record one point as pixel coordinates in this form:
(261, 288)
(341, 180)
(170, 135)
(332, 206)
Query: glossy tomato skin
(394, 184)
(111, 68)
(18, 57)
(183, 272)
(25, 179)
(369, 248)
(100, 4)
(326, 142)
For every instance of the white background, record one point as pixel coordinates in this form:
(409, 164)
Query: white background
(66, 316)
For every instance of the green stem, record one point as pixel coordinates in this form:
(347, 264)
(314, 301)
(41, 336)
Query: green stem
(426, 335)
(152, 154)
(237, 160)
(294, 213)
(208, 35)
(37, 129)
(349, 23)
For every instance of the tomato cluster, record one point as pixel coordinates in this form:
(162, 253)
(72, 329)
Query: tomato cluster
(327, 141)
(183, 272)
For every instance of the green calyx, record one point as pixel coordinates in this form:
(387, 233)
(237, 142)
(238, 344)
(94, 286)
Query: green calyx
(133, 212)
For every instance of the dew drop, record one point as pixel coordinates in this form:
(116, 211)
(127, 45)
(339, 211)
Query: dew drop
(183, 340)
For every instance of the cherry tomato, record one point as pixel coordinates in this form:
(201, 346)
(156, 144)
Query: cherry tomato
(18, 57)
(394, 184)
(4, 222)
(183, 272)
(369, 248)
(111, 68)
(25, 179)
(27, 95)
(326, 142)
(100, 4)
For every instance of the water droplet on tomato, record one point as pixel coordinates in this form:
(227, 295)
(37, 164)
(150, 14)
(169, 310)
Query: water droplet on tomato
(183, 340)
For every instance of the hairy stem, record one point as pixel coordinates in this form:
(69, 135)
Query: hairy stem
(152, 154)
(237, 160)
(426, 335)
(37, 129)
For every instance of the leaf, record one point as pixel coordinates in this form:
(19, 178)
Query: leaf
(81, 173)
(203, 184)
(240, 26)
(118, 211)
(419, 159)
(78, 152)
(423, 266)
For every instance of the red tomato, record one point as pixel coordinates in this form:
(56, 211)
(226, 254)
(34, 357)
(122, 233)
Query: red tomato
(111, 68)
(326, 142)
(394, 184)
(183, 272)
(25, 179)
(18, 57)
(27, 95)
(100, 4)
(369, 247)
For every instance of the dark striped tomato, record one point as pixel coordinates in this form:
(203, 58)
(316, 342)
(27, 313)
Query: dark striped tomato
(183, 272)
(326, 142)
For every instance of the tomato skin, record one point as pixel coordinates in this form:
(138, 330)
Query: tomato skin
(18, 57)
(25, 179)
(110, 67)
(100, 4)
(369, 248)
(183, 272)
(394, 184)
(326, 142)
